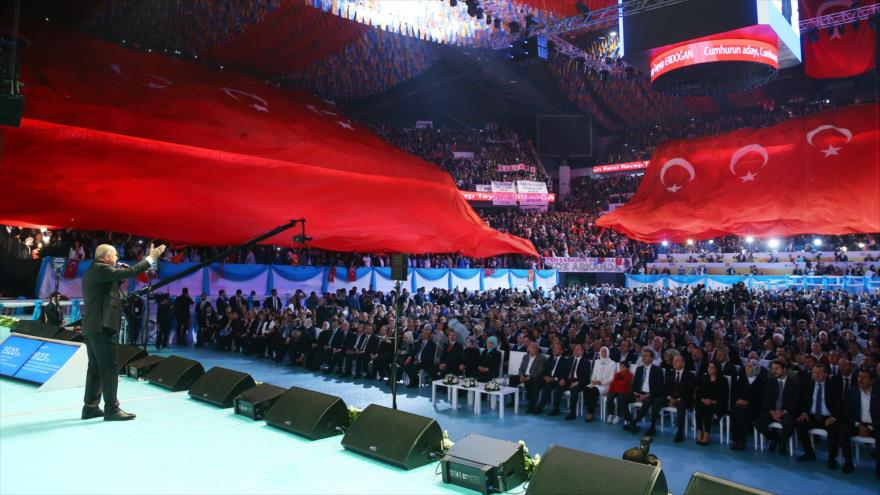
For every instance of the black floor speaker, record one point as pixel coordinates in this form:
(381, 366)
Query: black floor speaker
(69, 335)
(219, 386)
(176, 373)
(396, 437)
(484, 464)
(705, 484)
(142, 367)
(256, 402)
(35, 329)
(127, 354)
(308, 413)
(568, 471)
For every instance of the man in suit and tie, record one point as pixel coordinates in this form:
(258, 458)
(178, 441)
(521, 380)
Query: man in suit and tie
(451, 355)
(780, 405)
(680, 385)
(102, 299)
(845, 380)
(273, 302)
(862, 418)
(531, 372)
(820, 408)
(577, 380)
(238, 303)
(555, 373)
(422, 357)
(647, 389)
(52, 311)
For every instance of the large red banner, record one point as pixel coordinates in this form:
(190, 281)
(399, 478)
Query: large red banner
(840, 51)
(812, 175)
(125, 141)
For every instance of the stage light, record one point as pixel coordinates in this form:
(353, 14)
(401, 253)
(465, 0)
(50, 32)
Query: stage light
(861, 245)
(817, 242)
(690, 242)
(750, 239)
(844, 249)
(664, 243)
(711, 241)
(612, 33)
(773, 243)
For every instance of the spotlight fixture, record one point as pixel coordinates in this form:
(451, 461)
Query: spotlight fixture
(817, 242)
(664, 243)
(773, 243)
(690, 242)
(861, 245)
(750, 239)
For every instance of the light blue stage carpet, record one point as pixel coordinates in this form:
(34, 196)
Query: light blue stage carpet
(178, 445)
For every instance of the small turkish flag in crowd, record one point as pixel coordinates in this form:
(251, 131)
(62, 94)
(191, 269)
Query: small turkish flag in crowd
(352, 274)
(331, 274)
(71, 268)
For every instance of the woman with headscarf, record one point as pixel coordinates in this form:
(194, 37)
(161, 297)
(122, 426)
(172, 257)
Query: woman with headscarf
(748, 395)
(490, 361)
(600, 380)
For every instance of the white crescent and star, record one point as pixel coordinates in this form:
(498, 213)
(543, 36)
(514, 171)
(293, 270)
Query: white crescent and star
(676, 162)
(745, 150)
(831, 150)
(258, 104)
(828, 4)
(155, 85)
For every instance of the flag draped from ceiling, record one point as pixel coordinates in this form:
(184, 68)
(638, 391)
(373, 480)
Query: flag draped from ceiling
(127, 141)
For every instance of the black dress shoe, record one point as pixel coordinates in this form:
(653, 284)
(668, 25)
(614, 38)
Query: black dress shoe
(832, 464)
(807, 457)
(848, 466)
(570, 416)
(119, 415)
(90, 412)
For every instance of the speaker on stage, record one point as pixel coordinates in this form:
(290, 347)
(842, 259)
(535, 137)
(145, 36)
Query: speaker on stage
(563, 471)
(219, 386)
(399, 263)
(176, 373)
(706, 484)
(484, 464)
(396, 437)
(308, 413)
(69, 335)
(256, 402)
(127, 354)
(142, 367)
(35, 329)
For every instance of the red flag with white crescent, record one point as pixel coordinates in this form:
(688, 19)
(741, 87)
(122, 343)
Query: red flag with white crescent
(840, 51)
(811, 175)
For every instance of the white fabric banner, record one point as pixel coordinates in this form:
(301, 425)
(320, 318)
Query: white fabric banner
(289, 287)
(193, 283)
(531, 193)
(517, 282)
(341, 281)
(492, 283)
(582, 265)
(545, 282)
(386, 285)
(257, 284)
(503, 193)
(441, 283)
(471, 284)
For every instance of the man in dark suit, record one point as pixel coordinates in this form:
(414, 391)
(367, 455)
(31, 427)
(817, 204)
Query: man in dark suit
(820, 408)
(577, 380)
(845, 379)
(780, 405)
(102, 299)
(273, 302)
(679, 394)
(555, 373)
(531, 372)
(421, 358)
(52, 312)
(647, 389)
(181, 314)
(450, 356)
(134, 317)
(862, 418)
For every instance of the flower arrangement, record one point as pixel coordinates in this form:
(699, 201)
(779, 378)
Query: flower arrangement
(450, 379)
(492, 386)
(469, 382)
(447, 442)
(353, 413)
(7, 321)
(530, 463)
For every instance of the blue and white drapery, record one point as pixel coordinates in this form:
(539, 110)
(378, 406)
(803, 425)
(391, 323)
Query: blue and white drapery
(719, 282)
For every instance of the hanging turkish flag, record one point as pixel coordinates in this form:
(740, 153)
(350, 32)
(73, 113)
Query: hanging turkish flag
(840, 51)
(71, 269)
(352, 274)
(811, 175)
(331, 274)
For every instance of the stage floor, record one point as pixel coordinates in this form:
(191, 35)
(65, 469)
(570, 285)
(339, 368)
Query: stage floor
(178, 445)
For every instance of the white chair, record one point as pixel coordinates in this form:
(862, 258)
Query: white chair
(724, 421)
(859, 441)
(672, 412)
(817, 432)
(778, 426)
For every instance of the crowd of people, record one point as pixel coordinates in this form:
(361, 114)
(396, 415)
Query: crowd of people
(804, 359)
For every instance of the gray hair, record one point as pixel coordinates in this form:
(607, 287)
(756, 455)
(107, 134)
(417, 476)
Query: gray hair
(103, 250)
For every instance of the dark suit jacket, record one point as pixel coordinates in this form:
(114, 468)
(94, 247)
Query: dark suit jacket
(561, 369)
(837, 382)
(273, 303)
(430, 350)
(789, 395)
(854, 407)
(831, 398)
(655, 379)
(684, 390)
(452, 357)
(753, 393)
(52, 314)
(492, 360)
(101, 295)
(717, 391)
(583, 372)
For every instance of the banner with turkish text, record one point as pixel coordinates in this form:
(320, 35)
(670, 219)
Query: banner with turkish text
(840, 51)
(532, 193)
(503, 193)
(811, 175)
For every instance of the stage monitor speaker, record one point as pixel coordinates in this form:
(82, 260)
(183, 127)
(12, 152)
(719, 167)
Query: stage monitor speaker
(35, 329)
(176, 373)
(564, 471)
(484, 464)
(399, 264)
(219, 386)
(127, 354)
(256, 402)
(396, 437)
(308, 413)
(142, 367)
(706, 484)
(69, 335)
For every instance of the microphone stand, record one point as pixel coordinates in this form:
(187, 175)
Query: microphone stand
(394, 364)
(150, 288)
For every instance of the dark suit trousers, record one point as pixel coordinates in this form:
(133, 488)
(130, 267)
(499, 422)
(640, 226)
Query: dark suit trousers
(847, 432)
(803, 427)
(182, 328)
(705, 414)
(764, 420)
(591, 398)
(740, 424)
(533, 388)
(102, 375)
(651, 404)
